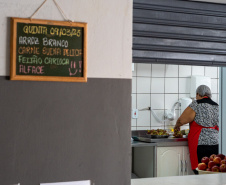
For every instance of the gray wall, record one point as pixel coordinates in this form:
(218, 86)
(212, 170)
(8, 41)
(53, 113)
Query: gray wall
(54, 131)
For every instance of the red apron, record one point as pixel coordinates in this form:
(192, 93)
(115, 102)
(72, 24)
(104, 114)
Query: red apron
(193, 139)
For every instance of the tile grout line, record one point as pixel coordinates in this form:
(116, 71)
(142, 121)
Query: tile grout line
(178, 83)
(150, 94)
(164, 96)
(136, 92)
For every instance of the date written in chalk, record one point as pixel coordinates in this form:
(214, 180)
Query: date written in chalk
(38, 70)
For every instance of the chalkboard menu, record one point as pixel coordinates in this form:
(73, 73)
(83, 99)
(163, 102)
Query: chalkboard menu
(46, 50)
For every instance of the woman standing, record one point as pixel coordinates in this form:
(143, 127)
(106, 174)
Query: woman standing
(203, 118)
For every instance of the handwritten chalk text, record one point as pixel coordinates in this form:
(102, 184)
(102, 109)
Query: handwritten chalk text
(56, 61)
(29, 60)
(54, 42)
(47, 60)
(28, 40)
(35, 30)
(72, 52)
(65, 32)
(31, 69)
(51, 51)
(28, 50)
(54, 31)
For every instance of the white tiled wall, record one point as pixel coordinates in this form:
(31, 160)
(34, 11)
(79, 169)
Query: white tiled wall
(159, 86)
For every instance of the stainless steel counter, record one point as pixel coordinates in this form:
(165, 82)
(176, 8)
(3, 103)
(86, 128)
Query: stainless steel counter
(141, 136)
(210, 179)
(143, 141)
(142, 144)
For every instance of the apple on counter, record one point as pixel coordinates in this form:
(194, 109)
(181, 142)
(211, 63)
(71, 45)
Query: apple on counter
(223, 168)
(205, 160)
(202, 166)
(223, 161)
(215, 169)
(214, 163)
(212, 157)
(222, 156)
(217, 160)
(211, 164)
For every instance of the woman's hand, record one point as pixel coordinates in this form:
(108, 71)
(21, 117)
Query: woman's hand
(177, 126)
(176, 129)
(177, 133)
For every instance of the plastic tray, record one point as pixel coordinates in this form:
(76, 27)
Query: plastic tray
(207, 172)
(157, 136)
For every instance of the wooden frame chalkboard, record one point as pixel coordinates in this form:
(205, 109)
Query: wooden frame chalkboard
(46, 50)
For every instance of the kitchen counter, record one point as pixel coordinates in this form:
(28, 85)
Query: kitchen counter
(140, 139)
(144, 151)
(207, 179)
(144, 141)
(145, 146)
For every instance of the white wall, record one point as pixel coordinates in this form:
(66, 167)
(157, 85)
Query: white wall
(109, 31)
(222, 147)
(159, 86)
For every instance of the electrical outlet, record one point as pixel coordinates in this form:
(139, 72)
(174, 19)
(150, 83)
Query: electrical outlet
(132, 66)
(135, 113)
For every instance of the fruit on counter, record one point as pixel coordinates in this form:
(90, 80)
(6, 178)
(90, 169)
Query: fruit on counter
(215, 168)
(214, 163)
(223, 168)
(187, 131)
(177, 133)
(212, 157)
(211, 164)
(159, 132)
(217, 160)
(223, 161)
(177, 129)
(222, 156)
(205, 160)
(202, 166)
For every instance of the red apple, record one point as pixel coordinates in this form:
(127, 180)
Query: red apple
(222, 156)
(217, 160)
(223, 161)
(211, 164)
(223, 168)
(215, 169)
(208, 169)
(205, 160)
(202, 166)
(212, 157)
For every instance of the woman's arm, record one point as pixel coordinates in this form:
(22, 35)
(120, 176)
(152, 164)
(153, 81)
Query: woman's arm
(186, 117)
